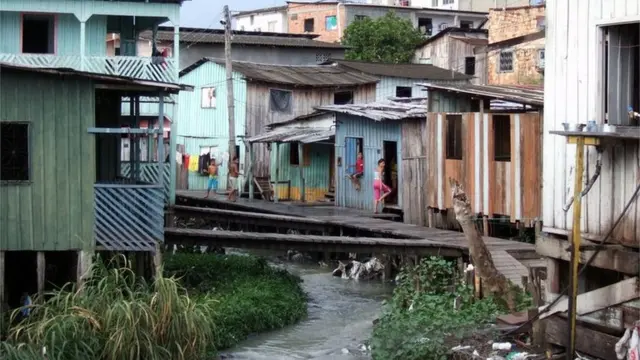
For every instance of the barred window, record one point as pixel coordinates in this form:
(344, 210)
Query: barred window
(322, 57)
(14, 151)
(506, 61)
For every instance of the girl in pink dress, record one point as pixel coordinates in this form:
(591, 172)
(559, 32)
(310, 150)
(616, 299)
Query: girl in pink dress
(380, 190)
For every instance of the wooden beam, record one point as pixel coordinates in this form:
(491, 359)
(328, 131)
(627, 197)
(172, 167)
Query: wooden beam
(2, 280)
(83, 267)
(301, 168)
(618, 293)
(589, 342)
(41, 267)
(611, 257)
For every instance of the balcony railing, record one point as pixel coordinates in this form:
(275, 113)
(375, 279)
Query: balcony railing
(128, 217)
(149, 173)
(128, 66)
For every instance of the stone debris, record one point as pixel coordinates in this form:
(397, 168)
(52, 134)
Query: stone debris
(356, 270)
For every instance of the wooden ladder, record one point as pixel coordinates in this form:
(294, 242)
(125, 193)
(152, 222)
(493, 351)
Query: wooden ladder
(264, 187)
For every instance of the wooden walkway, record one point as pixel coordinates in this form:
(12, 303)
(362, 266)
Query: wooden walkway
(504, 252)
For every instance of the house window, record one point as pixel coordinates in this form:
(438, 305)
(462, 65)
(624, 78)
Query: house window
(280, 101)
(466, 24)
(470, 65)
(425, 25)
(343, 97)
(251, 18)
(294, 154)
(448, 2)
(208, 98)
(330, 23)
(621, 66)
(14, 151)
(38, 34)
(454, 137)
(308, 25)
(434, 3)
(541, 22)
(506, 61)
(502, 137)
(322, 57)
(541, 58)
(271, 26)
(403, 91)
(361, 17)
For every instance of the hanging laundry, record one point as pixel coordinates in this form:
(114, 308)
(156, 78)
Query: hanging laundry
(185, 161)
(193, 163)
(178, 158)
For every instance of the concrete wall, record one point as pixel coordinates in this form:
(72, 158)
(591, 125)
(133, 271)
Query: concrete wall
(275, 21)
(298, 12)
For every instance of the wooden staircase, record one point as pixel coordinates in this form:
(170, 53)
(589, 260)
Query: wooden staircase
(264, 188)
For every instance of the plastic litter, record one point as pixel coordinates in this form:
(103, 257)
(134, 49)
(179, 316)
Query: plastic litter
(501, 346)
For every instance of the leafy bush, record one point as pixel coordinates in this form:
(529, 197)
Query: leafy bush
(421, 321)
(252, 296)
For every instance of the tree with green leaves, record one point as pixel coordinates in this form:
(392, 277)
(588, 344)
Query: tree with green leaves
(388, 39)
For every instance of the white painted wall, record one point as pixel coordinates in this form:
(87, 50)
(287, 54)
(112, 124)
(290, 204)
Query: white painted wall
(574, 93)
(468, 5)
(262, 21)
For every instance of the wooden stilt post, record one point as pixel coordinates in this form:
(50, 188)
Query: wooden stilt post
(3, 271)
(485, 225)
(301, 168)
(275, 186)
(83, 267)
(41, 271)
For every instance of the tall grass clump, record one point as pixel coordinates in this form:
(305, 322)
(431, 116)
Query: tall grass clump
(115, 316)
(251, 295)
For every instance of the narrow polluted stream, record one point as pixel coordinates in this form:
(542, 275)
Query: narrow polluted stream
(340, 320)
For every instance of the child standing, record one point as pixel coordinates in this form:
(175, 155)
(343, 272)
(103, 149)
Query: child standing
(355, 177)
(380, 189)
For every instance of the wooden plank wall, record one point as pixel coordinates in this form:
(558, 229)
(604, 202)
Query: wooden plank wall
(414, 171)
(304, 100)
(510, 188)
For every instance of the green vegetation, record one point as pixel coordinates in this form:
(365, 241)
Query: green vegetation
(420, 321)
(388, 39)
(203, 304)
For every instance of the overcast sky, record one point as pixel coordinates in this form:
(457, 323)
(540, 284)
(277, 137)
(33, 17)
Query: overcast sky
(207, 13)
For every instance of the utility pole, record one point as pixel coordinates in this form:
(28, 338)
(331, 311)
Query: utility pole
(230, 100)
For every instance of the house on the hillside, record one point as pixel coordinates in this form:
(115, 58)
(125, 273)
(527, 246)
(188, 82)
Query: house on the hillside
(271, 19)
(329, 19)
(252, 46)
(302, 158)
(516, 49)
(455, 49)
(63, 195)
(494, 153)
(592, 75)
(464, 5)
(399, 80)
(264, 94)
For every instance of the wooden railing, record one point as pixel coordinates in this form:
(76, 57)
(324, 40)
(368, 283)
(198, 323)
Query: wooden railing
(127, 66)
(128, 217)
(149, 174)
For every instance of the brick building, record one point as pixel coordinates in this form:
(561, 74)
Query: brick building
(324, 19)
(515, 53)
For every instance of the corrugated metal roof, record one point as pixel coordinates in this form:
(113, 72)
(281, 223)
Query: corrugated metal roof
(380, 111)
(518, 94)
(297, 134)
(296, 75)
(410, 71)
(471, 40)
(152, 85)
(216, 36)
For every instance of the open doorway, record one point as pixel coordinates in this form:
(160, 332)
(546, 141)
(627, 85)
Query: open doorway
(38, 34)
(390, 151)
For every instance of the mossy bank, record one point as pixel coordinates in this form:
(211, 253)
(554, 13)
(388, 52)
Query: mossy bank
(204, 303)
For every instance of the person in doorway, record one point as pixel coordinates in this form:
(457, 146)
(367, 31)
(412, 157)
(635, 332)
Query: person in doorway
(233, 178)
(380, 190)
(359, 171)
(213, 177)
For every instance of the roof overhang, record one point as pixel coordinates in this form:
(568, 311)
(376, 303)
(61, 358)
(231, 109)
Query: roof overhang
(305, 135)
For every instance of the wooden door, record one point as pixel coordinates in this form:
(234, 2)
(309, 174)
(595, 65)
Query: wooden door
(332, 168)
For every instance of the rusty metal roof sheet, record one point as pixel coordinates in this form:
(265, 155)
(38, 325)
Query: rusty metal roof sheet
(411, 71)
(380, 111)
(295, 75)
(519, 94)
(256, 38)
(114, 79)
(304, 135)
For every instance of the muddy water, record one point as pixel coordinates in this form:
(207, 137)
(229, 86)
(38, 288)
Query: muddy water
(340, 319)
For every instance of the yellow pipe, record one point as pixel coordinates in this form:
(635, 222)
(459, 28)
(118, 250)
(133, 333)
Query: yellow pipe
(575, 247)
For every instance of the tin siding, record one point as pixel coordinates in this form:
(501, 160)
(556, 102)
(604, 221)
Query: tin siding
(573, 90)
(54, 211)
(373, 134)
(10, 30)
(387, 87)
(198, 127)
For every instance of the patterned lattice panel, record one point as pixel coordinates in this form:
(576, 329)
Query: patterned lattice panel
(149, 173)
(128, 217)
